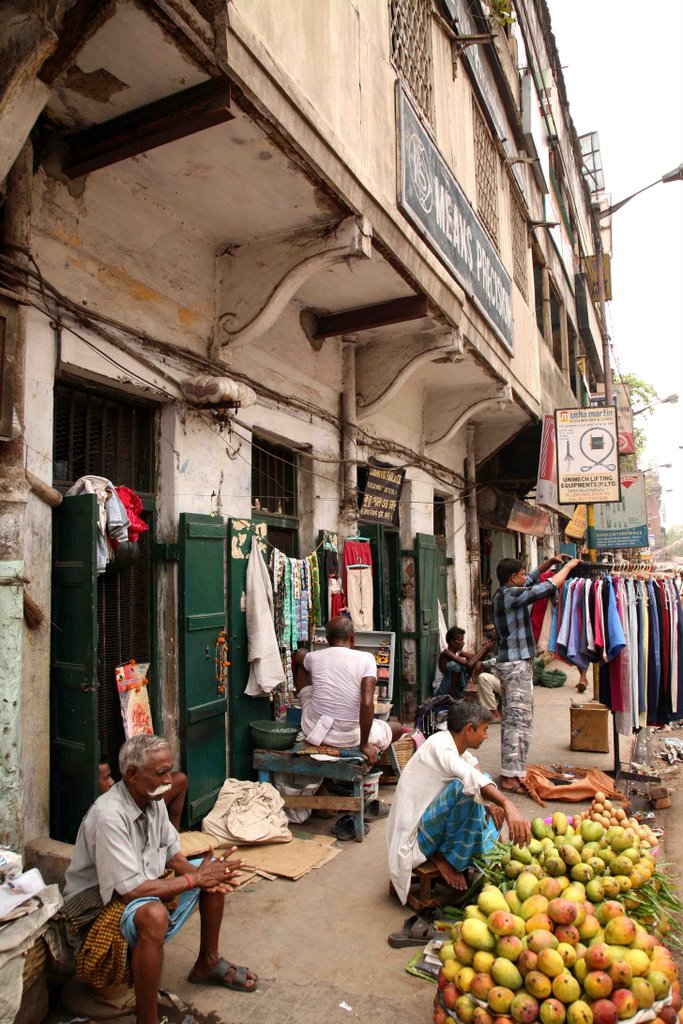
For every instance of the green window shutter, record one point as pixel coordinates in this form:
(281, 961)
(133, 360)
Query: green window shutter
(243, 709)
(202, 617)
(428, 558)
(73, 668)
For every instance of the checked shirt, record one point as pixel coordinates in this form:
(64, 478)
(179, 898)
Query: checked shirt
(512, 618)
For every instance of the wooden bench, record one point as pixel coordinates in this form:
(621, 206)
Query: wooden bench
(266, 762)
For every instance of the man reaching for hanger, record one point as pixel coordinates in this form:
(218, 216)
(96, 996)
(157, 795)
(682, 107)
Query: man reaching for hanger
(518, 591)
(336, 688)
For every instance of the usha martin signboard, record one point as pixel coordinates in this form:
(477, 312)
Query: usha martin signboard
(431, 198)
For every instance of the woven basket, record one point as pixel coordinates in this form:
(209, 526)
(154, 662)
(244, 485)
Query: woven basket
(34, 964)
(403, 749)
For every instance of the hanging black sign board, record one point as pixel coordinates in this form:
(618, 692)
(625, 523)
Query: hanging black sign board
(382, 495)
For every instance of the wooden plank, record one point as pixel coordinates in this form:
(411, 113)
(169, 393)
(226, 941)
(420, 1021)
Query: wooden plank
(325, 803)
(155, 124)
(364, 318)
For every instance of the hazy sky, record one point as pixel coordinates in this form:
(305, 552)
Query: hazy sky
(624, 77)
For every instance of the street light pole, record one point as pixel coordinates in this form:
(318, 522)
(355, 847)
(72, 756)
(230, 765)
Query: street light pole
(675, 175)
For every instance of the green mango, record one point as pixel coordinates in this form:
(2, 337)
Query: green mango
(539, 829)
(521, 854)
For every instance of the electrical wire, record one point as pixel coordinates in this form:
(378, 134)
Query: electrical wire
(439, 472)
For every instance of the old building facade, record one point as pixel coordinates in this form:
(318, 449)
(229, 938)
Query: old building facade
(368, 220)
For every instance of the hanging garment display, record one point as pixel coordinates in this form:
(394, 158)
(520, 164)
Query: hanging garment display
(297, 611)
(112, 520)
(358, 583)
(263, 651)
(360, 597)
(632, 627)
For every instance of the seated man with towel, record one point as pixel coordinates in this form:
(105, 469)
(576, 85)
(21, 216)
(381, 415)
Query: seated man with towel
(336, 688)
(128, 885)
(444, 803)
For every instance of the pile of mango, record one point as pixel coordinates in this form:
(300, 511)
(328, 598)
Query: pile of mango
(606, 814)
(543, 952)
(608, 861)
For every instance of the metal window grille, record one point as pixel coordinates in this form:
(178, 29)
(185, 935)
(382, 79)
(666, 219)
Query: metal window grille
(95, 433)
(102, 435)
(439, 516)
(274, 479)
(411, 49)
(520, 245)
(486, 170)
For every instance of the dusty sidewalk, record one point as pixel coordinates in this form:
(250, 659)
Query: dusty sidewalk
(321, 941)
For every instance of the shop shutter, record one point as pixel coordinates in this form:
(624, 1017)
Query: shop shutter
(73, 669)
(202, 617)
(428, 558)
(243, 709)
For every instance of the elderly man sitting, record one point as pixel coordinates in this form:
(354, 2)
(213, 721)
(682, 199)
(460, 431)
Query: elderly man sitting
(129, 882)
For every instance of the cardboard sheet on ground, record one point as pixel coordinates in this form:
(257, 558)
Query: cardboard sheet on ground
(287, 860)
(291, 860)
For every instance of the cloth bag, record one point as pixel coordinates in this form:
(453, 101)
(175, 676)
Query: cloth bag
(540, 786)
(247, 813)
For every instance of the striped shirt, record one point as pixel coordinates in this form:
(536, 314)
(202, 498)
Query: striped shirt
(512, 618)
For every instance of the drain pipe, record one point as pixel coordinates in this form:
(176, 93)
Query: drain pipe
(473, 546)
(348, 510)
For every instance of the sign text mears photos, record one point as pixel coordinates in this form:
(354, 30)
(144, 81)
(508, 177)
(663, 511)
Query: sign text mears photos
(431, 198)
(587, 451)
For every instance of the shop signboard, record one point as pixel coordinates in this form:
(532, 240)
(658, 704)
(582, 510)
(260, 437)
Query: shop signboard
(623, 524)
(525, 518)
(587, 456)
(622, 400)
(577, 525)
(382, 495)
(546, 485)
(431, 198)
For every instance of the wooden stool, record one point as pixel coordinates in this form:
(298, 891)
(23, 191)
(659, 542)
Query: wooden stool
(428, 889)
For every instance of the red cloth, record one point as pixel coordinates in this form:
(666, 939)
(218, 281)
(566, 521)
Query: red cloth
(338, 602)
(356, 552)
(133, 507)
(538, 610)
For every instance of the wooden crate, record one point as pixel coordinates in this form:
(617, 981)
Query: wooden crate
(589, 728)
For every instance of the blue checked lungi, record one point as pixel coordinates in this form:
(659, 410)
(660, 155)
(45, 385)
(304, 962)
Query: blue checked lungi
(187, 901)
(456, 827)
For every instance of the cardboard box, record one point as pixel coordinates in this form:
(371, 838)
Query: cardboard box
(589, 728)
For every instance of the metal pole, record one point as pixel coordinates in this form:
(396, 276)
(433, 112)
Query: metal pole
(473, 546)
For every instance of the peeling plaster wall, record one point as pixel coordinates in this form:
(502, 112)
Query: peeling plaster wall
(11, 630)
(35, 705)
(116, 250)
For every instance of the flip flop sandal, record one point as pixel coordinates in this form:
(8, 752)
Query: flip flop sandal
(375, 809)
(217, 977)
(345, 828)
(416, 931)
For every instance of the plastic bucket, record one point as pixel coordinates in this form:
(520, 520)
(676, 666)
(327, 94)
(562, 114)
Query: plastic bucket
(294, 717)
(371, 786)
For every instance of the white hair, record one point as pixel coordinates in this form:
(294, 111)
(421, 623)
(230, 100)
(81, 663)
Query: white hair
(135, 752)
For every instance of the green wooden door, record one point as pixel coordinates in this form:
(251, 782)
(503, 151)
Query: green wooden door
(428, 559)
(243, 709)
(73, 666)
(202, 617)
